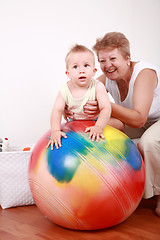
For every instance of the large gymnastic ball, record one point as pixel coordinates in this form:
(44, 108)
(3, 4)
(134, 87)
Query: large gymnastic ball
(86, 185)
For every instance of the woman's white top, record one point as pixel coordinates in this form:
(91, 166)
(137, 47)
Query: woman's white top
(111, 86)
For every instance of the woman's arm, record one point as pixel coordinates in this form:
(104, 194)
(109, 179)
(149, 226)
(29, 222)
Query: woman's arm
(143, 94)
(102, 79)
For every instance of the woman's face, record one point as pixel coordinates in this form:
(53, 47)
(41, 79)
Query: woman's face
(113, 64)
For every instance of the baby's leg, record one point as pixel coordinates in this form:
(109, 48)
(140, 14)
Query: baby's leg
(116, 123)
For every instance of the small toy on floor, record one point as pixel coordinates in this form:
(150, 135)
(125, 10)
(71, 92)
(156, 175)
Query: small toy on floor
(4, 142)
(27, 149)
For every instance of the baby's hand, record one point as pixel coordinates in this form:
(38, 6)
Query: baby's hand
(95, 133)
(56, 139)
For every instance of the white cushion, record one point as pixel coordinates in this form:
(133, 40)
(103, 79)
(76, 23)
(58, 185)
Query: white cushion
(14, 186)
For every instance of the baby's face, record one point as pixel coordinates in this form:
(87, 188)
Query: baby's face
(81, 68)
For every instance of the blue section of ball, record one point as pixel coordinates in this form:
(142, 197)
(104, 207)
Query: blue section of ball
(132, 155)
(64, 162)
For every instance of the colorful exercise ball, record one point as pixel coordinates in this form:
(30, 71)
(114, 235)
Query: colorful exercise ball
(86, 185)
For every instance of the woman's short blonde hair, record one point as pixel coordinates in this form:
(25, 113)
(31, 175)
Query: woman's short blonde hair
(111, 41)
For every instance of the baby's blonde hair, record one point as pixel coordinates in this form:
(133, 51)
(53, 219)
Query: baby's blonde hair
(78, 48)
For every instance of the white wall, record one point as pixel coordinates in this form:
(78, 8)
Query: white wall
(35, 36)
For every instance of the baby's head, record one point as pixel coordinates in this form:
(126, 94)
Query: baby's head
(80, 65)
(79, 49)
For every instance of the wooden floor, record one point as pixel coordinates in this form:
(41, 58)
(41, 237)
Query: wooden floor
(28, 223)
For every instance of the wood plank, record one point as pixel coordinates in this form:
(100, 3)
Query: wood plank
(28, 223)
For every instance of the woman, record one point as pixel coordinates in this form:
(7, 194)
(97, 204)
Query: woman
(135, 88)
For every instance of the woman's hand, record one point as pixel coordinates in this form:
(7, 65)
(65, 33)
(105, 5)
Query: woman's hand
(68, 114)
(91, 109)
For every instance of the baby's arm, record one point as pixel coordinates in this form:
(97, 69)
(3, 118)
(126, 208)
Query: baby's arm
(104, 115)
(56, 117)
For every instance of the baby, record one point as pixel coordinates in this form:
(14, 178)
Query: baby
(81, 87)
